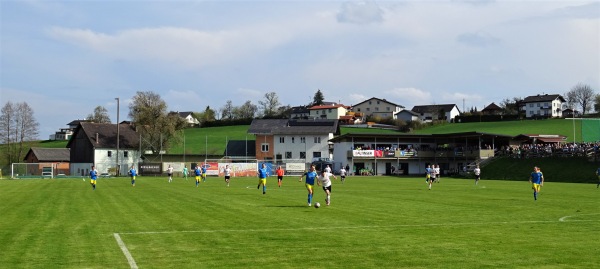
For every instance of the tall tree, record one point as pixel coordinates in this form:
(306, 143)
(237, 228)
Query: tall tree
(17, 126)
(597, 103)
(583, 95)
(318, 98)
(270, 104)
(245, 111)
(227, 111)
(149, 112)
(511, 107)
(208, 114)
(100, 115)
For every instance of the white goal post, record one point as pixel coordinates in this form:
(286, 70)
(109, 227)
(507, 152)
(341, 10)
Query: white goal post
(32, 170)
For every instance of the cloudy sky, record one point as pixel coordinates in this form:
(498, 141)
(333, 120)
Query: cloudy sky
(66, 57)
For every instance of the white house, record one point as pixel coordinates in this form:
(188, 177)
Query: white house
(429, 113)
(330, 112)
(96, 144)
(284, 140)
(188, 117)
(545, 105)
(378, 107)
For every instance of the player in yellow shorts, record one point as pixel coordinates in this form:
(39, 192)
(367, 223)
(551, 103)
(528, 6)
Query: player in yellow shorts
(311, 175)
(537, 180)
(263, 173)
(197, 173)
(93, 177)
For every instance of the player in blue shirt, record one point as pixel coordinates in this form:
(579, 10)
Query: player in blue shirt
(132, 174)
(311, 175)
(204, 173)
(93, 177)
(197, 173)
(537, 180)
(263, 173)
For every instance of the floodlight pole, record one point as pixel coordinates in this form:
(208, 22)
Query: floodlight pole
(118, 136)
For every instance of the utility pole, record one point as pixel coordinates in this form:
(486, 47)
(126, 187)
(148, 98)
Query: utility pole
(118, 136)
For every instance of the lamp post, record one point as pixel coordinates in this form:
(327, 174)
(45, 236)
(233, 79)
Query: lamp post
(118, 136)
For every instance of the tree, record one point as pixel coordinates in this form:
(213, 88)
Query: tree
(227, 111)
(597, 103)
(511, 107)
(245, 111)
(100, 115)
(17, 126)
(318, 98)
(149, 112)
(270, 104)
(582, 95)
(207, 115)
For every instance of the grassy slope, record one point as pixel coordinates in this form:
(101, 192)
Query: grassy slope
(549, 126)
(373, 222)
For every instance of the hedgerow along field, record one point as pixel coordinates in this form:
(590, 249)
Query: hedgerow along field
(373, 222)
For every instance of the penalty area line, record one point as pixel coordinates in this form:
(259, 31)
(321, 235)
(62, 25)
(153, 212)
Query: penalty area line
(123, 247)
(362, 227)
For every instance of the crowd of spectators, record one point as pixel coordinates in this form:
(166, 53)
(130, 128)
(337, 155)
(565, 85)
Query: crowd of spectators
(550, 150)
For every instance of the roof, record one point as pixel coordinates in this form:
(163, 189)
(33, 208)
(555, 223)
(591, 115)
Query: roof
(327, 106)
(541, 137)
(292, 126)
(107, 135)
(384, 100)
(182, 114)
(543, 98)
(76, 122)
(350, 136)
(50, 154)
(491, 107)
(430, 108)
(408, 111)
(240, 148)
(300, 109)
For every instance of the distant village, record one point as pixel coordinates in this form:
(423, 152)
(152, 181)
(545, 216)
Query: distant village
(310, 134)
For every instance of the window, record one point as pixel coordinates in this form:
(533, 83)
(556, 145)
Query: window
(378, 102)
(368, 109)
(323, 112)
(264, 147)
(110, 153)
(282, 140)
(317, 140)
(369, 102)
(538, 104)
(377, 109)
(387, 108)
(530, 104)
(317, 154)
(358, 110)
(125, 154)
(278, 156)
(302, 155)
(293, 139)
(303, 139)
(288, 154)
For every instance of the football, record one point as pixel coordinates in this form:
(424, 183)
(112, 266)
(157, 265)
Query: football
(317, 205)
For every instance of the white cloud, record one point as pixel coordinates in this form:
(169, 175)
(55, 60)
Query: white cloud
(478, 39)
(360, 13)
(408, 96)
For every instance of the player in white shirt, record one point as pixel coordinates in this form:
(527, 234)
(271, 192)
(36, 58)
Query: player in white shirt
(328, 169)
(477, 173)
(343, 174)
(227, 172)
(325, 181)
(437, 173)
(170, 173)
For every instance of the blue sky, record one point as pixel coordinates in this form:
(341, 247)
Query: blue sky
(66, 57)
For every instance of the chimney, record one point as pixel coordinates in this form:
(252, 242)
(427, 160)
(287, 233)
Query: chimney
(97, 138)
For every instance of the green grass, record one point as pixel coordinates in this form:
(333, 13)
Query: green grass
(548, 126)
(373, 222)
(573, 169)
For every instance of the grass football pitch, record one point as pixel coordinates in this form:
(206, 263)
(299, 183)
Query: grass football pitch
(373, 222)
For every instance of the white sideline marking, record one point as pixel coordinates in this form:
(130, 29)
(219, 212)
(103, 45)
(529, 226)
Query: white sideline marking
(121, 244)
(563, 219)
(364, 227)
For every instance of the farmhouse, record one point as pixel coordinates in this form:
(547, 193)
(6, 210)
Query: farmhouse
(546, 105)
(429, 113)
(376, 107)
(96, 144)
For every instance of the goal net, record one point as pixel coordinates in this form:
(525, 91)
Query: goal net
(33, 170)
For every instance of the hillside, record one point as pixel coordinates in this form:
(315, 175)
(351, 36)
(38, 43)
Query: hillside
(577, 170)
(548, 126)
